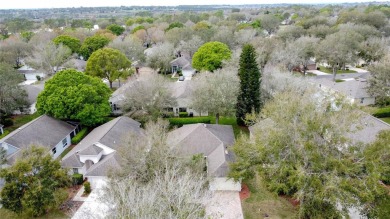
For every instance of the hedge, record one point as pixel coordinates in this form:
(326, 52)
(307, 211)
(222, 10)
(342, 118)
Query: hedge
(183, 114)
(191, 120)
(382, 113)
(78, 178)
(87, 187)
(76, 139)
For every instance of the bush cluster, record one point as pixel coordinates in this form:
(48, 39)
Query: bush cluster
(179, 122)
(382, 113)
(87, 187)
(77, 179)
(76, 139)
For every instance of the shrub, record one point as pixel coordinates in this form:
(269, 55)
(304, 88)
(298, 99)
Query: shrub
(382, 113)
(76, 139)
(38, 77)
(77, 179)
(87, 187)
(318, 68)
(8, 122)
(183, 114)
(191, 120)
(167, 114)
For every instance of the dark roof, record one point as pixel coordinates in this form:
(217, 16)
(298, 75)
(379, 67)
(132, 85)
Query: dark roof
(33, 92)
(112, 134)
(212, 141)
(44, 130)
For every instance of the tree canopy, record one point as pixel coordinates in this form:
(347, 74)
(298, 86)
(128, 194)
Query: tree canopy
(33, 183)
(210, 55)
(71, 42)
(248, 99)
(107, 63)
(72, 95)
(93, 43)
(379, 82)
(116, 29)
(12, 96)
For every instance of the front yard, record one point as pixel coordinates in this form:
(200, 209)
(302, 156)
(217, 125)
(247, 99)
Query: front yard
(329, 70)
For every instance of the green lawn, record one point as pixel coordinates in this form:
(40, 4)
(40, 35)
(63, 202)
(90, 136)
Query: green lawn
(6, 214)
(386, 119)
(262, 202)
(328, 70)
(19, 121)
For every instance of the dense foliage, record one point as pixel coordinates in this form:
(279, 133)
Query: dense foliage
(93, 43)
(116, 29)
(33, 183)
(71, 42)
(248, 99)
(72, 95)
(210, 55)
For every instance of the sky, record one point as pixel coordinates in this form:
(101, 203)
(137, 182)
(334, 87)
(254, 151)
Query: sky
(17, 4)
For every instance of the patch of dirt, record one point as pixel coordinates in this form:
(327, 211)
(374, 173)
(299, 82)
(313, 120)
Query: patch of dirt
(244, 193)
(69, 207)
(293, 202)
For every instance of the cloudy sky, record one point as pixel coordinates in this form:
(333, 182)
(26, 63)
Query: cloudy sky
(12, 4)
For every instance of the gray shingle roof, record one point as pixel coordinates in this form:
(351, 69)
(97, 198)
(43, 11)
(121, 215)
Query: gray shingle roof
(112, 134)
(352, 88)
(104, 166)
(371, 128)
(44, 130)
(33, 92)
(181, 62)
(211, 140)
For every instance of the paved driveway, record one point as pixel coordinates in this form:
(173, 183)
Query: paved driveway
(225, 205)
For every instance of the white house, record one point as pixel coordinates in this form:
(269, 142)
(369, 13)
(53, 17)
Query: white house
(44, 131)
(96, 155)
(31, 74)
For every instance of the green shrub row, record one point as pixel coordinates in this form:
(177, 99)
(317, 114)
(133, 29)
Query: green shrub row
(77, 179)
(76, 139)
(382, 113)
(183, 114)
(191, 120)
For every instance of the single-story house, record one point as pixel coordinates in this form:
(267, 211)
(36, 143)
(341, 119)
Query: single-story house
(31, 74)
(96, 155)
(214, 142)
(184, 65)
(355, 89)
(182, 92)
(44, 131)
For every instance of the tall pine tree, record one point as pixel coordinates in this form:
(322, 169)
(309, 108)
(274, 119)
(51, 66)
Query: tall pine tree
(248, 99)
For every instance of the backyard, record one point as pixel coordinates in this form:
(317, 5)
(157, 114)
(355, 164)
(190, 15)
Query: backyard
(264, 204)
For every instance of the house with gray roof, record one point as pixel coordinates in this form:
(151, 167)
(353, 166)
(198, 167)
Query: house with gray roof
(44, 131)
(184, 65)
(214, 142)
(355, 89)
(182, 92)
(96, 155)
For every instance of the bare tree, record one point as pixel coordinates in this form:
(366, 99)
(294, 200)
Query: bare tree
(49, 57)
(150, 94)
(13, 50)
(130, 46)
(216, 93)
(191, 46)
(154, 182)
(244, 36)
(379, 82)
(160, 57)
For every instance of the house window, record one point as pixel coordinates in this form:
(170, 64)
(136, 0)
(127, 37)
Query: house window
(75, 170)
(54, 150)
(64, 142)
(362, 100)
(182, 109)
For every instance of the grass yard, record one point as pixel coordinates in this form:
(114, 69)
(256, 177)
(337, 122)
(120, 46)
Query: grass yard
(57, 214)
(387, 120)
(328, 70)
(262, 202)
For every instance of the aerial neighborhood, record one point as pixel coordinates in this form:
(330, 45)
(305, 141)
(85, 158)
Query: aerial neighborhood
(229, 111)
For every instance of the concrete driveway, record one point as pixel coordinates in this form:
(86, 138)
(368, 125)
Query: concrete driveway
(225, 205)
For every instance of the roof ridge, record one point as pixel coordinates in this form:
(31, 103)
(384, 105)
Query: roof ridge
(118, 118)
(99, 163)
(213, 133)
(377, 119)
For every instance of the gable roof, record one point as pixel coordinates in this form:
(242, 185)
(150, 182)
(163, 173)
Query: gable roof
(44, 130)
(182, 91)
(181, 62)
(371, 128)
(111, 134)
(213, 141)
(355, 88)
